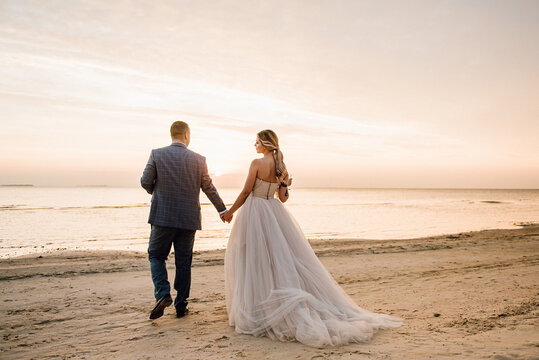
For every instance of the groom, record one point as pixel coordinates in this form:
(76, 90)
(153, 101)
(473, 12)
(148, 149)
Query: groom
(174, 176)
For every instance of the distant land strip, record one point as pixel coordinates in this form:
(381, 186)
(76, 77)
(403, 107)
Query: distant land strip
(17, 185)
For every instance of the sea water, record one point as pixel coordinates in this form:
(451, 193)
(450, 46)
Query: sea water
(37, 220)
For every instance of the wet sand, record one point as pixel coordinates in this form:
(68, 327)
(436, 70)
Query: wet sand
(471, 295)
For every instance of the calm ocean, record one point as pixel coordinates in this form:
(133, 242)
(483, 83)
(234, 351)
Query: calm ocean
(35, 220)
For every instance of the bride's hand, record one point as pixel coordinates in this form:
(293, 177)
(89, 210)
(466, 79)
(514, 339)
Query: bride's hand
(227, 216)
(289, 181)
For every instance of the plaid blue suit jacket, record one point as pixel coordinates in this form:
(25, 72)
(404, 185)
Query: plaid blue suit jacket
(174, 176)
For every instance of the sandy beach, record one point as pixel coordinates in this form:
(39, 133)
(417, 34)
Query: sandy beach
(470, 295)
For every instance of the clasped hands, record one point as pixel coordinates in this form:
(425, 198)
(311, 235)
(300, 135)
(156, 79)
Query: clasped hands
(226, 216)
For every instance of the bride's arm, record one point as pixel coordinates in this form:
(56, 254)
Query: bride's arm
(247, 189)
(283, 194)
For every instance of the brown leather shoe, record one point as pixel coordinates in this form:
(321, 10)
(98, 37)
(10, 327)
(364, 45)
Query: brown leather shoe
(160, 306)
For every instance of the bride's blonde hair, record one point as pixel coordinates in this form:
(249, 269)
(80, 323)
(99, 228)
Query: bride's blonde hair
(270, 142)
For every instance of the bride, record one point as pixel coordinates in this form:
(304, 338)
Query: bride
(275, 284)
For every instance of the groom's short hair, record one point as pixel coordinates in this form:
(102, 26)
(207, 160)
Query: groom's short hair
(178, 129)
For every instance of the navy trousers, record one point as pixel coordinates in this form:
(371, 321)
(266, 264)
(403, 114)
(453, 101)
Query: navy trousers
(161, 241)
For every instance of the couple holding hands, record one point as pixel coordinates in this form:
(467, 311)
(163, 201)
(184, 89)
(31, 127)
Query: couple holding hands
(275, 285)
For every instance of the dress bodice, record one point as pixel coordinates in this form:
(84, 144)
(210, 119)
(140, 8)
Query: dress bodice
(264, 189)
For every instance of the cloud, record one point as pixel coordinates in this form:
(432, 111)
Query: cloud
(354, 84)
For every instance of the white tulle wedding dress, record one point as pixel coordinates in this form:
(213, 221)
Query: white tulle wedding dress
(277, 287)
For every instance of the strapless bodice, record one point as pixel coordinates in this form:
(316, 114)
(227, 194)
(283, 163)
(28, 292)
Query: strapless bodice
(264, 189)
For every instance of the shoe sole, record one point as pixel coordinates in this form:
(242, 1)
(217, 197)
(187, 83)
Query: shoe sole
(157, 311)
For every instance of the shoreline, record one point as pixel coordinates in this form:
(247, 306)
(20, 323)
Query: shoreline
(313, 241)
(321, 247)
(465, 295)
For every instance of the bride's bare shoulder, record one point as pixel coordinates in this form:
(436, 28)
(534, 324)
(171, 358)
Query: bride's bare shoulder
(255, 163)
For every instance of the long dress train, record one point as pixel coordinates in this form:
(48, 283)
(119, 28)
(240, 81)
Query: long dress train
(277, 287)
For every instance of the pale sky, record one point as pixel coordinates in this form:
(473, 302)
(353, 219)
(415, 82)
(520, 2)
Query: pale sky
(361, 93)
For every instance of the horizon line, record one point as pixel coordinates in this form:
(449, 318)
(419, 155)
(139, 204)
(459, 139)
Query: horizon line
(301, 187)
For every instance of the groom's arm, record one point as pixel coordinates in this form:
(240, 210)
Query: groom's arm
(209, 189)
(149, 175)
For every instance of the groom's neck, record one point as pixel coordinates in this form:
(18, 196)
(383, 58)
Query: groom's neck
(179, 141)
